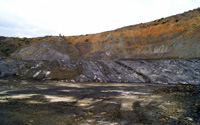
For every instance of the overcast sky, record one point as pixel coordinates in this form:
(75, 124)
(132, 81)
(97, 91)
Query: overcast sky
(31, 18)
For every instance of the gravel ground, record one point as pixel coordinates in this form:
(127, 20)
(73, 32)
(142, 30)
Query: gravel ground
(58, 103)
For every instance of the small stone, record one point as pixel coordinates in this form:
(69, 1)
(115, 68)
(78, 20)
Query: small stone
(103, 113)
(164, 119)
(90, 121)
(78, 119)
(189, 119)
(73, 81)
(75, 120)
(31, 121)
(90, 113)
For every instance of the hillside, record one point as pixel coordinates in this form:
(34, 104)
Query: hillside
(142, 74)
(143, 53)
(172, 37)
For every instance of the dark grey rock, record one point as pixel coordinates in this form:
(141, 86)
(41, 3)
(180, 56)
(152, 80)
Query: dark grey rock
(9, 67)
(168, 71)
(152, 71)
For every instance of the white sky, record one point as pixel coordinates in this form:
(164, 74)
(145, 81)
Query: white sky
(33, 18)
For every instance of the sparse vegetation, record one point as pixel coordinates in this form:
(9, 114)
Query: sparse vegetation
(155, 24)
(86, 40)
(194, 25)
(60, 35)
(48, 36)
(160, 19)
(165, 22)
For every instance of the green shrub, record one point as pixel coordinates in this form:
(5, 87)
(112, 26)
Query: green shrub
(86, 40)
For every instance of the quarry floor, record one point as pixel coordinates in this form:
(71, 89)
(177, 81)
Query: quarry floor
(30, 102)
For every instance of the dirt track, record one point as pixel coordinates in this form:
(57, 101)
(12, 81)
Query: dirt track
(59, 103)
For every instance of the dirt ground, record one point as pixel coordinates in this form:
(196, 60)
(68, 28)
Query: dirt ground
(29, 102)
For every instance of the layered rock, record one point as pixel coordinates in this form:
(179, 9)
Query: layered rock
(154, 71)
(139, 53)
(172, 37)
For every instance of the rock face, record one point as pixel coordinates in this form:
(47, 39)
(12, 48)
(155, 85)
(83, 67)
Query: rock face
(154, 71)
(53, 49)
(172, 37)
(162, 51)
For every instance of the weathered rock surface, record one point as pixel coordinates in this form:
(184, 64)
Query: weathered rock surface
(157, 71)
(124, 55)
(174, 37)
(53, 49)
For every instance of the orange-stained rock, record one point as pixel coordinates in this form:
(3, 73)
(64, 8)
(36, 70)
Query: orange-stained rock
(172, 37)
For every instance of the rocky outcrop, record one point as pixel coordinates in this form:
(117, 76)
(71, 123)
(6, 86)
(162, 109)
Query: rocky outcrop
(53, 49)
(9, 67)
(139, 53)
(157, 71)
(174, 37)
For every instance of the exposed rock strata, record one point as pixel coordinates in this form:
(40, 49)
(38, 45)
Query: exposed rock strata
(157, 71)
(174, 37)
(113, 56)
